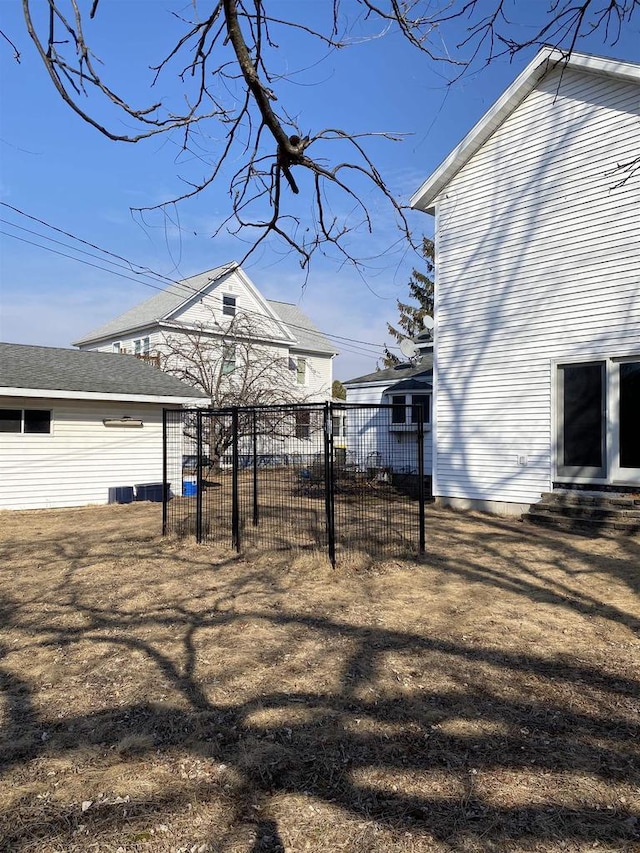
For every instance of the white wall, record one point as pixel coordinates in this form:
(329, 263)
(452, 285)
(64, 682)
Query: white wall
(538, 258)
(370, 431)
(81, 458)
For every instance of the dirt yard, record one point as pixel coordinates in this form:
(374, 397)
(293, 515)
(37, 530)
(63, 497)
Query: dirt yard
(163, 696)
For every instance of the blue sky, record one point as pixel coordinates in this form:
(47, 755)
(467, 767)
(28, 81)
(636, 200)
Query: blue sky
(58, 169)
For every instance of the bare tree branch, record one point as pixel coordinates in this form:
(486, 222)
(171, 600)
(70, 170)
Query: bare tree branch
(227, 63)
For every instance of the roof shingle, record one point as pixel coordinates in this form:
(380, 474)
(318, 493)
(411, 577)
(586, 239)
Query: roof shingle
(57, 369)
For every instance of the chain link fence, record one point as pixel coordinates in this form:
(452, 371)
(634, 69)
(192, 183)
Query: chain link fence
(333, 477)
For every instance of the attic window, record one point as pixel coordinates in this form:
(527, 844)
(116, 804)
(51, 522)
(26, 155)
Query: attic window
(229, 306)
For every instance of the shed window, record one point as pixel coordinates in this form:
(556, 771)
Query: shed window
(25, 420)
(229, 306)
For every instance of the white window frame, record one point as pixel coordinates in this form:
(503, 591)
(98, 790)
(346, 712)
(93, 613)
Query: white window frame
(408, 404)
(116, 346)
(229, 359)
(302, 372)
(142, 346)
(229, 304)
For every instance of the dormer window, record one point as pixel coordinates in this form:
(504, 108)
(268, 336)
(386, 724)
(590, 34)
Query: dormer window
(229, 306)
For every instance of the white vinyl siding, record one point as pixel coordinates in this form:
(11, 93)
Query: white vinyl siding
(209, 309)
(538, 259)
(81, 458)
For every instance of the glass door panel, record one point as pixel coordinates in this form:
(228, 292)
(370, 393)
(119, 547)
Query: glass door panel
(629, 424)
(581, 427)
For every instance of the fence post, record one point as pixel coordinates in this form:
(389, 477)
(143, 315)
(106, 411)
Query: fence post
(256, 512)
(420, 434)
(165, 485)
(329, 490)
(235, 504)
(199, 476)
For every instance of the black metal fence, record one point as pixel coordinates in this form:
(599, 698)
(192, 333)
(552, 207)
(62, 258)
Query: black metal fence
(337, 477)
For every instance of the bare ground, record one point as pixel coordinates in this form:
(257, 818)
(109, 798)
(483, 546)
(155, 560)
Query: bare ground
(163, 696)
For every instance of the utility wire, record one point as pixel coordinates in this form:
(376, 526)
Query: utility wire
(131, 266)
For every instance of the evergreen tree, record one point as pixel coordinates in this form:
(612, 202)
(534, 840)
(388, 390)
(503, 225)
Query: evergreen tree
(410, 322)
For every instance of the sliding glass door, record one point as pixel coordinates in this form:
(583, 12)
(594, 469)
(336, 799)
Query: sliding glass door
(598, 421)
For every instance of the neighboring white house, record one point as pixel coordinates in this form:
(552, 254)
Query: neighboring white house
(257, 350)
(75, 425)
(390, 434)
(537, 290)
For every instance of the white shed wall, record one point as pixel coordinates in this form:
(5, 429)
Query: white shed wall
(538, 259)
(81, 458)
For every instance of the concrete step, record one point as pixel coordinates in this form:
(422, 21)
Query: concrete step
(588, 512)
(592, 526)
(584, 498)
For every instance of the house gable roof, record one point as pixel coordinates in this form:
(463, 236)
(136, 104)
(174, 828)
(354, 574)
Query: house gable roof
(294, 327)
(545, 61)
(159, 306)
(423, 369)
(80, 372)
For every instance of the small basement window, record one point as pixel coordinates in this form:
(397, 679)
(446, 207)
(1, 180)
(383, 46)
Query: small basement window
(30, 421)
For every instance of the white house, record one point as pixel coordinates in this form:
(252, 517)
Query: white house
(390, 434)
(75, 425)
(255, 350)
(537, 290)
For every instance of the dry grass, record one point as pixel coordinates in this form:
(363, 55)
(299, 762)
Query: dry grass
(160, 696)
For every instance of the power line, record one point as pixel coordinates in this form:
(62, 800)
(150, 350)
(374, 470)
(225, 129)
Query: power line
(150, 273)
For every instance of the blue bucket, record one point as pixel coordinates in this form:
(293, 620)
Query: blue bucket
(189, 489)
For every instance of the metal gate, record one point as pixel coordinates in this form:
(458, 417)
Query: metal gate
(336, 476)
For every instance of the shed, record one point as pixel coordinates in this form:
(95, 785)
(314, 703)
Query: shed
(75, 425)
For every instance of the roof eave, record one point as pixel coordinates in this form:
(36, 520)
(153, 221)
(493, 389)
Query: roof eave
(56, 394)
(426, 197)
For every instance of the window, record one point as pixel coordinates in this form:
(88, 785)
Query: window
(301, 371)
(420, 401)
(405, 408)
(399, 410)
(229, 359)
(116, 346)
(25, 420)
(229, 306)
(303, 424)
(141, 346)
